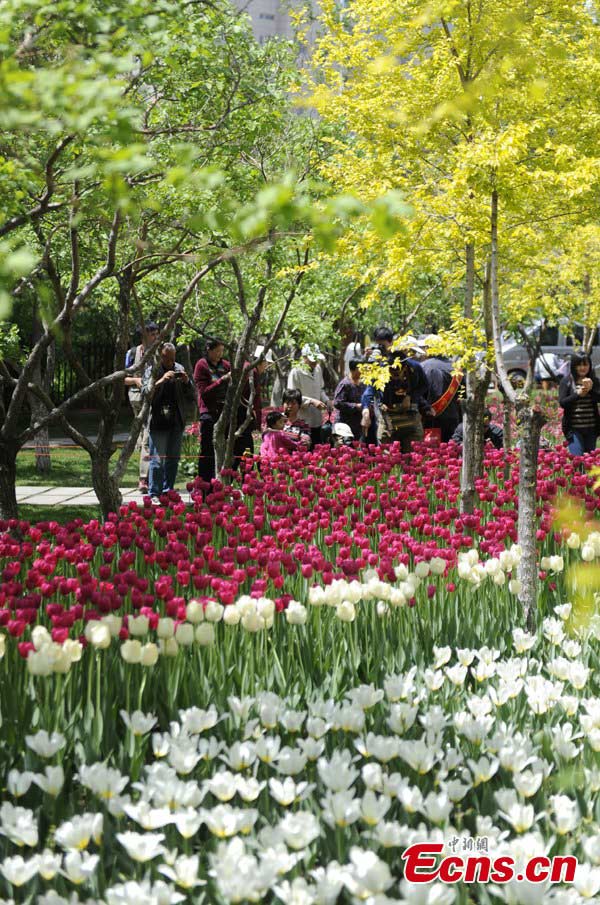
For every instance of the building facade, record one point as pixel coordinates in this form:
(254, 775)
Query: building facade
(270, 18)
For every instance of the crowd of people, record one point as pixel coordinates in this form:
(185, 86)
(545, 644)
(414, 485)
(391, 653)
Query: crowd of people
(421, 394)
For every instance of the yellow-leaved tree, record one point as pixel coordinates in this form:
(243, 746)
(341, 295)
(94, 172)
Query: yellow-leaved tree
(483, 116)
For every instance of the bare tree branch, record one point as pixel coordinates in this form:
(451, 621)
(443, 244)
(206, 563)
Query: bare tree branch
(241, 291)
(123, 372)
(74, 240)
(107, 269)
(44, 205)
(459, 67)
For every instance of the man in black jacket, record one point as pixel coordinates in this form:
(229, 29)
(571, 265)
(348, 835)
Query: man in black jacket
(442, 395)
(400, 404)
(168, 396)
(493, 432)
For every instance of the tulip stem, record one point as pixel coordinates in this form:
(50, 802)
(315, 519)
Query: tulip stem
(98, 714)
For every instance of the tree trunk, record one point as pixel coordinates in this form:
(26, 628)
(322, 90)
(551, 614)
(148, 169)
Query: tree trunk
(279, 386)
(474, 406)
(8, 479)
(224, 436)
(43, 378)
(104, 480)
(588, 332)
(220, 431)
(507, 413)
(184, 357)
(530, 423)
(473, 439)
(43, 462)
(105, 486)
(348, 336)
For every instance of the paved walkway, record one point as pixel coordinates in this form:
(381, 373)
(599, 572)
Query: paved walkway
(57, 442)
(38, 495)
(74, 496)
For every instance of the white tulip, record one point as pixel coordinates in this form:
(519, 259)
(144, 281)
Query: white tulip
(17, 783)
(422, 569)
(184, 634)
(194, 612)
(142, 847)
(51, 781)
(296, 613)
(345, 611)
(79, 867)
(40, 637)
(138, 723)
(98, 634)
(114, 624)
(131, 651)
(165, 628)
(149, 654)
(213, 611)
(45, 745)
(168, 647)
(232, 615)
(18, 871)
(138, 625)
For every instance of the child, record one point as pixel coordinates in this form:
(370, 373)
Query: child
(275, 440)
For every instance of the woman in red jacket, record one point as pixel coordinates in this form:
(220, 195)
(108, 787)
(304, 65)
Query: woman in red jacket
(212, 376)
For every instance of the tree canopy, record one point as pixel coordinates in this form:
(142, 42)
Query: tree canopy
(449, 103)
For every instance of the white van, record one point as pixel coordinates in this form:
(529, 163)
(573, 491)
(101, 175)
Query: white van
(553, 341)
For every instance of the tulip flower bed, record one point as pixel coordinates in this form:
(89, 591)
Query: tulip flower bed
(312, 798)
(271, 695)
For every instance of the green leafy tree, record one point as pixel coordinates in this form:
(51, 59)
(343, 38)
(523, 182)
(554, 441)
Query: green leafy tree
(147, 146)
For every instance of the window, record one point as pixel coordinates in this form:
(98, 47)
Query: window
(576, 333)
(549, 336)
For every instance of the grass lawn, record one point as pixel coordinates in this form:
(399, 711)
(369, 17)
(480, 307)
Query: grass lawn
(71, 465)
(61, 514)
(70, 468)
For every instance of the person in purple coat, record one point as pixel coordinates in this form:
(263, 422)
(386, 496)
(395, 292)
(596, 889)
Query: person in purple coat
(347, 399)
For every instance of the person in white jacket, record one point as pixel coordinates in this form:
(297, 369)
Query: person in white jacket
(308, 378)
(353, 351)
